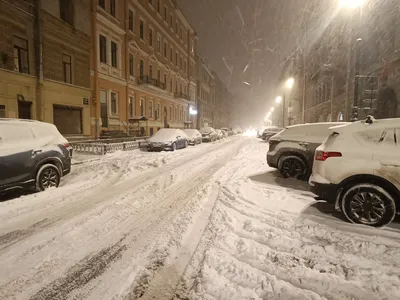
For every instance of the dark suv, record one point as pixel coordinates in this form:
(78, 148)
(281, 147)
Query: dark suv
(32, 155)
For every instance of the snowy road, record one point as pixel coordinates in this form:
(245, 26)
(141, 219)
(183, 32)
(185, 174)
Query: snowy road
(208, 222)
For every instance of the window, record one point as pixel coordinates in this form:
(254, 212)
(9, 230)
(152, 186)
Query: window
(130, 20)
(176, 113)
(176, 27)
(114, 103)
(180, 63)
(184, 66)
(170, 113)
(176, 58)
(158, 6)
(102, 4)
(158, 111)
(113, 7)
(165, 14)
(114, 55)
(66, 10)
(21, 59)
(67, 70)
(151, 71)
(158, 75)
(131, 107)
(165, 80)
(103, 49)
(151, 131)
(170, 85)
(372, 136)
(151, 2)
(141, 30)
(171, 18)
(141, 104)
(180, 32)
(192, 46)
(165, 49)
(2, 111)
(141, 68)
(131, 65)
(170, 54)
(150, 109)
(158, 43)
(150, 37)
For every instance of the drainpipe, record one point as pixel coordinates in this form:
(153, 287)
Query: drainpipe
(39, 63)
(95, 88)
(127, 75)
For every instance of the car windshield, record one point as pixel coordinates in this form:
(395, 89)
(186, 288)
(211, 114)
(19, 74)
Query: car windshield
(191, 133)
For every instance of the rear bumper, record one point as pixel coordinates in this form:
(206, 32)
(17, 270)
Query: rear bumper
(66, 166)
(325, 191)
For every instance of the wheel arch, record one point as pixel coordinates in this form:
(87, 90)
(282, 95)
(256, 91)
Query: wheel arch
(293, 153)
(374, 179)
(50, 160)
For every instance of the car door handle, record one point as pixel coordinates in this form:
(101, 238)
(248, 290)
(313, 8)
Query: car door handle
(303, 143)
(36, 151)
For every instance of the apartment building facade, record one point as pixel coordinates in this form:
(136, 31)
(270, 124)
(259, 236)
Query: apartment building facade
(45, 63)
(205, 95)
(143, 75)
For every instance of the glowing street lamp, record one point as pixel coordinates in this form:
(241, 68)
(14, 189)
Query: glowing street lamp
(290, 83)
(272, 109)
(278, 99)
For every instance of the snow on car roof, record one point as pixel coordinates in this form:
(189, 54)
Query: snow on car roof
(191, 132)
(167, 135)
(363, 125)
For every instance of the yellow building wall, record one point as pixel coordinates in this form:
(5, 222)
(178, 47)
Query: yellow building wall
(13, 84)
(68, 95)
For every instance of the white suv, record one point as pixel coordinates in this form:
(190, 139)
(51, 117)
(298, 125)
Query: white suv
(358, 169)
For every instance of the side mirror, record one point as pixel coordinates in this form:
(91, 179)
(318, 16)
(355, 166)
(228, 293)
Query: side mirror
(178, 137)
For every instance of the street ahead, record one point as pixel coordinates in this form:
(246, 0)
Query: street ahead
(208, 222)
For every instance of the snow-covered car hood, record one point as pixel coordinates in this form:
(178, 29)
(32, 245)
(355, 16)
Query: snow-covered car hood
(167, 135)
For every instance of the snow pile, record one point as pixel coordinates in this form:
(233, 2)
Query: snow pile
(259, 245)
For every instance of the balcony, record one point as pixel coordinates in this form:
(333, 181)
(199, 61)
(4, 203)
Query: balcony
(151, 81)
(181, 96)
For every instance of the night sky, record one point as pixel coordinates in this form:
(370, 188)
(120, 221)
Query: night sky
(246, 41)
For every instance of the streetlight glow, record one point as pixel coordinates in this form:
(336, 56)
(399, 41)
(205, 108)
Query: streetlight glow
(272, 109)
(290, 83)
(278, 99)
(351, 3)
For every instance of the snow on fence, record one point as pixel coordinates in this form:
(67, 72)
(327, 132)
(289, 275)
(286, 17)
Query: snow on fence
(101, 148)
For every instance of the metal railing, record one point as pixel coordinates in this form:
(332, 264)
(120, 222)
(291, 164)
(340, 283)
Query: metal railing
(149, 80)
(101, 147)
(182, 95)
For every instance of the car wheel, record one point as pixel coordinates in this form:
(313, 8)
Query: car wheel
(48, 176)
(174, 147)
(292, 166)
(186, 144)
(368, 204)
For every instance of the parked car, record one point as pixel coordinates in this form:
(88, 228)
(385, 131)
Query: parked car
(33, 155)
(168, 139)
(270, 132)
(291, 151)
(224, 134)
(237, 130)
(220, 135)
(194, 136)
(358, 169)
(208, 134)
(227, 131)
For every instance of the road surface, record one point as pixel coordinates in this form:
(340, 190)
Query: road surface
(208, 222)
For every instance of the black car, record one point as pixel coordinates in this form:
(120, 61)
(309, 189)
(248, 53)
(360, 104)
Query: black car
(270, 132)
(33, 155)
(167, 139)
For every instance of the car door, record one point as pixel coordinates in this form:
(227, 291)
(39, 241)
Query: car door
(17, 153)
(387, 156)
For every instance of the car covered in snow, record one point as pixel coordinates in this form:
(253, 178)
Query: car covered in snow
(270, 132)
(168, 139)
(33, 155)
(291, 151)
(227, 131)
(194, 136)
(358, 169)
(208, 134)
(220, 135)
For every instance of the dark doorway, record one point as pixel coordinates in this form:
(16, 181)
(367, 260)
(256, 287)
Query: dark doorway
(68, 120)
(24, 110)
(104, 115)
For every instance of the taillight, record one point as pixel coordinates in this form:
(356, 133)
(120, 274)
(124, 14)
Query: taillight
(66, 145)
(323, 156)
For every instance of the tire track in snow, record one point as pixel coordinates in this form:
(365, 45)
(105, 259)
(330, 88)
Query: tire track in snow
(152, 218)
(92, 200)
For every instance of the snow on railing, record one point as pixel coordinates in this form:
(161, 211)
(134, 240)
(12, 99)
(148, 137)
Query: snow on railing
(101, 148)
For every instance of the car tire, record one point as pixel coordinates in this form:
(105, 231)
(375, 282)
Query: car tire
(368, 204)
(292, 167)
(48, 176)
(173, 147)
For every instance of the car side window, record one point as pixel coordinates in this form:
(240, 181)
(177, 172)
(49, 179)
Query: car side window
(390, 137)
(372, 136)
(15, 133)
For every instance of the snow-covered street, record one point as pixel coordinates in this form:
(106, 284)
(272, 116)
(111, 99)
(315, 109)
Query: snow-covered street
(208, 222)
